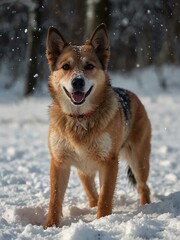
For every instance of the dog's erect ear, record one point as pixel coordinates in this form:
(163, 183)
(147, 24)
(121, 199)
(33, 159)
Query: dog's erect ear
(55, 44)
(100, 42)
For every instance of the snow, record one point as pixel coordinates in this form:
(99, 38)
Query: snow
(35, 75)
(24, 170)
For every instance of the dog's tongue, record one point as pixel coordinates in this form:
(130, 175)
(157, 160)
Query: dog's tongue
(78, 96)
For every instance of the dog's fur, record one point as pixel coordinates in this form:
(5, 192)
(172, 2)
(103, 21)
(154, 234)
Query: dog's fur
(91, 123)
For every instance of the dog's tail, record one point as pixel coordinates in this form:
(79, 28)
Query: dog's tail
(131, 177)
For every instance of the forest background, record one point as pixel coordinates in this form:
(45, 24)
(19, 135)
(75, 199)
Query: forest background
(142, 33)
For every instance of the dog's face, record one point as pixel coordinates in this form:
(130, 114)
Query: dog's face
(78, 73)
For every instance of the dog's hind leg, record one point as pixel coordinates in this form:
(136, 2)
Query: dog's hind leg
(89, 187)
(138, 161)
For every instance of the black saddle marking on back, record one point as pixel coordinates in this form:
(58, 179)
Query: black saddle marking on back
(124, 101)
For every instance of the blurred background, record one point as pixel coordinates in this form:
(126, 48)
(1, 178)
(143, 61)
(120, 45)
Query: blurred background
(142, 33)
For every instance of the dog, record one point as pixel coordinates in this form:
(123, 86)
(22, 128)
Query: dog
(92, 124)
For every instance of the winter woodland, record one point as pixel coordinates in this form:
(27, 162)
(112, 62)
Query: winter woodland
(145, 58)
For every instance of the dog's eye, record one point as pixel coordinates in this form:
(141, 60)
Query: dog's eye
(89, 67)
(66, 67)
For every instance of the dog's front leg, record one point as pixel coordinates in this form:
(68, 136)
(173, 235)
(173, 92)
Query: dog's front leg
(59, 176)
(108, 176)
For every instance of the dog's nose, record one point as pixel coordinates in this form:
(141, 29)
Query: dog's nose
(78, 84)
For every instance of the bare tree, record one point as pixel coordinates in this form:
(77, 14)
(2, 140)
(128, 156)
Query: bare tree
(34, 41)
(97, 11)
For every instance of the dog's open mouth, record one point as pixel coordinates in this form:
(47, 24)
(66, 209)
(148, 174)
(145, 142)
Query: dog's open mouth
(78, 97)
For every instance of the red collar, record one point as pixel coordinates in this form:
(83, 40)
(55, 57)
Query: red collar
(81, 116)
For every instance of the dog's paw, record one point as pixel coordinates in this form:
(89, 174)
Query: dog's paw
(93, 203)
(50, 223)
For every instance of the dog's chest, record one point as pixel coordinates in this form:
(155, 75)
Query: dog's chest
(98, 148)
(85, 156)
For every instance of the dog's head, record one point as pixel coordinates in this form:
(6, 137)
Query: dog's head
(78, 73)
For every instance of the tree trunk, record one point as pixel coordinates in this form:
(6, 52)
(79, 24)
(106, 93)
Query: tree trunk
(98, 11)
(34, 40)
(144, 48)
(70, 18)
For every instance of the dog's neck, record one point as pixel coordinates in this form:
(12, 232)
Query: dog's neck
(81, 116)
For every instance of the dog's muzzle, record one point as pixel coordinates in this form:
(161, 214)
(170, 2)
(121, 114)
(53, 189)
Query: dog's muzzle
(78, 94)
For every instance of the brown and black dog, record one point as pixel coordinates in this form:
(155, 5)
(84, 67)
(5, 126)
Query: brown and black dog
(92, 124)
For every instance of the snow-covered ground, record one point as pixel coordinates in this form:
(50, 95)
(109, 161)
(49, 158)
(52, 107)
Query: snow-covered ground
(24, 171)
